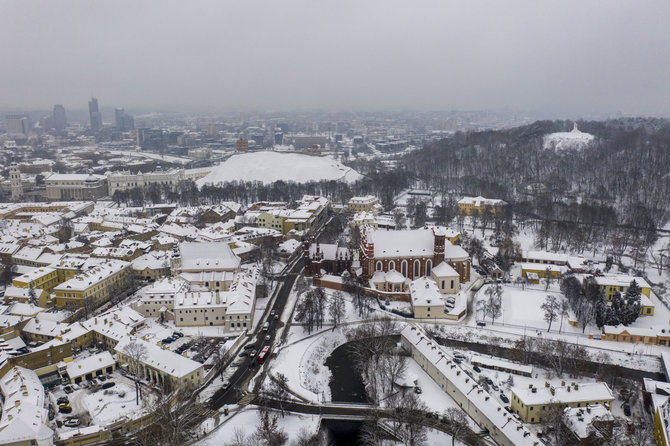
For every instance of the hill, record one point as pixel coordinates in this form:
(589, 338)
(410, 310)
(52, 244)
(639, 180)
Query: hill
(268, 166)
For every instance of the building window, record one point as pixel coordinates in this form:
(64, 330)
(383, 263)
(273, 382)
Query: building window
(417, 268)
(379, 266)
(391, 265)
(403, 268)
(429, 267)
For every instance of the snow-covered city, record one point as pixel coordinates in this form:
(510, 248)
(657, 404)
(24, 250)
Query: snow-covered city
(334, 223)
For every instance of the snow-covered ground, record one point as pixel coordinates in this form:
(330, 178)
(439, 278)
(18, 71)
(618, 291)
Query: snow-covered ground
(269, 166)
(574, 139)
(107, 406)
(248, 419)
(302, 360)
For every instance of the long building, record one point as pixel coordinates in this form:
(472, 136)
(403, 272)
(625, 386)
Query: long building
(94, 286)
(75, 186)
(484, 410)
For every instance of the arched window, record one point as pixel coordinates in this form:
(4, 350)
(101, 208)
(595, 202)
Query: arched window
(417, 268)
(429, 267)
(403, 268)
(379, 266)
(391, 265)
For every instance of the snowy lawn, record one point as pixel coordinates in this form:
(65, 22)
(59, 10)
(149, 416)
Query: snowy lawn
(247, 420)
(108, 405)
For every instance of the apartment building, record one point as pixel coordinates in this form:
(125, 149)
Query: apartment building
(94, 286)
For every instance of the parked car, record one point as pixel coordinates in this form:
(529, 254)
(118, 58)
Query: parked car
(418, 390)
(495, 387)
(108, 384)
(276, 316)
(235, 364)
(63, 400)
(249, 346)
(243, 354)
(272, 313)
(68, 389)
(177, 334)
(102, 378)
(226, 385)
(267, 337)
(67, 409)
(476, 369)
(457, 361)
(63, 405)
(626, 409)
(508, 409)
(503, 398)
(167, 340)
(481, 324)
(72, 422)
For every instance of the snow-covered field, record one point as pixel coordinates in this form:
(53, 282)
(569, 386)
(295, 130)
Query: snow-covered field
(107, 406)
(247, 420)
(567, 140)
(268, 166)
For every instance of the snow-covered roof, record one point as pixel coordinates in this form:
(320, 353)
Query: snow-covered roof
(24, 416)
(84, 366)
(424, 292)
(92, 276)
(545, 256)
(622, 280)
(214, 256)
(162, 360)
(405, 243)
(444, 270)
(478, 201)
(514, 431)
(570, 393)
(580, 419)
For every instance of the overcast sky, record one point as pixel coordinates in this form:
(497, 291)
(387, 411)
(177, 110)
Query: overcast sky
(565, 57)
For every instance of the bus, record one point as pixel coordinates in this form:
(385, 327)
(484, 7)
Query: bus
(260, 359)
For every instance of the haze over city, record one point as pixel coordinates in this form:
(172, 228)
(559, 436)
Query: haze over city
(567, 58)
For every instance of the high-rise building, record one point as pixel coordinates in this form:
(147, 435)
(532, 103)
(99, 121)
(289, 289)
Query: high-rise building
(94, 115)
(150, 139)
(124, 121)
(59, 119)
(17, 124)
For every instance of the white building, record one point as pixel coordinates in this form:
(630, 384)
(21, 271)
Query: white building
(125, 180)
(484, 410)
(24, 415)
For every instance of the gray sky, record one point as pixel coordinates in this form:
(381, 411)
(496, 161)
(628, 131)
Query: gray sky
(563, 56)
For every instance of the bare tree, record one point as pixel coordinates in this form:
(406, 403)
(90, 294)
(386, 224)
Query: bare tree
(173, 417)
(336, 307)
(550, 308)
(136, 353)
(458, 423)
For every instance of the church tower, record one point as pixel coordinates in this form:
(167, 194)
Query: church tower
(15, 181)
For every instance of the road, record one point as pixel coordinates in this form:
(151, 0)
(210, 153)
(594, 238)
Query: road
(247, 367)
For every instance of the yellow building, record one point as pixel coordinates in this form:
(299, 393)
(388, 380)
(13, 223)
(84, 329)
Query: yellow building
(22, 294)
(535, 405)
(272, 219)
(368, 203)
(42, 278)
(610, 284)
(661, 419)
(94, 286)
(479, 205)
(159, 365)
(535, 271)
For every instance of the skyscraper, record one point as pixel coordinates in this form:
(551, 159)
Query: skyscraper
(17, 124)
(59, 119)
(124, 121)
(94, 114)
